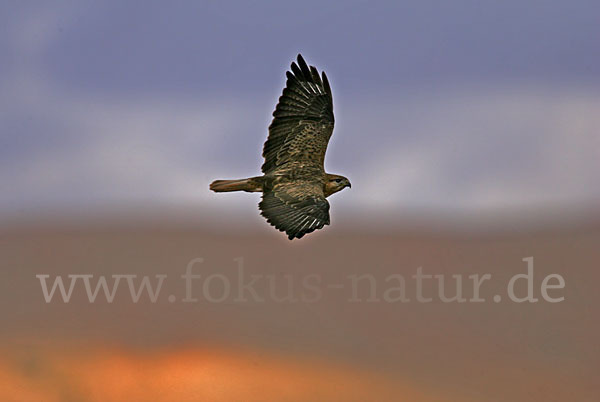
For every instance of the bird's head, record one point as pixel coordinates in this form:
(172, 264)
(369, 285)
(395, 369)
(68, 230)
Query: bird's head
(335, 183)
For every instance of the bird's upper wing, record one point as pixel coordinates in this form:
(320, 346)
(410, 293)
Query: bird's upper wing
(296, 207)
(302, 121)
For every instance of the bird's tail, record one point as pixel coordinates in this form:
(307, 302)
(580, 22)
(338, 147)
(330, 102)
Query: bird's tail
(251, 185)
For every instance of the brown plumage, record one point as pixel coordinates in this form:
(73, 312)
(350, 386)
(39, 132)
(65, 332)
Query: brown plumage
(295, 185)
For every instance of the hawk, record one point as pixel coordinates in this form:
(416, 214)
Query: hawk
(294, 183)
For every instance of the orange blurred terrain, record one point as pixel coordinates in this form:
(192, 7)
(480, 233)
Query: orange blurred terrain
(187, 374)
(332, 349)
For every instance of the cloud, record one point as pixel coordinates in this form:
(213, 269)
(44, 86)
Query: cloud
(481, 148)
(115, 149)
(490, 146)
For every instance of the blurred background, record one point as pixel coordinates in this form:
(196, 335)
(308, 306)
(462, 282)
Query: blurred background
(470, 131)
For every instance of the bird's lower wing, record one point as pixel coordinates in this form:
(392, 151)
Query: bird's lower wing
(295, 208)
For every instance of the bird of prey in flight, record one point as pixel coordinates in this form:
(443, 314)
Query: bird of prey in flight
(295, 186)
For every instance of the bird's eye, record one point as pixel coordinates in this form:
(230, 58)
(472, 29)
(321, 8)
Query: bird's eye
(338, 180)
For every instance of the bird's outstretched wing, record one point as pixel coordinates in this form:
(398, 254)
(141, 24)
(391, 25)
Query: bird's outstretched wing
(296, 207)
(302, 121)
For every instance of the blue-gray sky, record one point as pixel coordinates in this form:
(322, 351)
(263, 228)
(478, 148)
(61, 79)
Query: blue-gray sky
(443, 105)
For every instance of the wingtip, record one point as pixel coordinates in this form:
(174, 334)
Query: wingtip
(325, 82)
(293, 236)
(303, 67)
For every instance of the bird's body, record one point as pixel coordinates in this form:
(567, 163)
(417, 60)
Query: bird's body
(295, 185)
